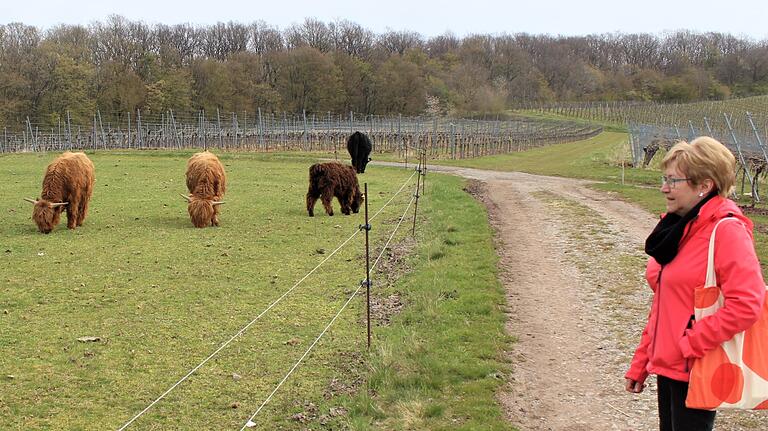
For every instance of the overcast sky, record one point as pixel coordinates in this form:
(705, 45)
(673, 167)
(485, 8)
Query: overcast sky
(747, 18)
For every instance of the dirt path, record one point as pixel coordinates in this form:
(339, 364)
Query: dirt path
(572, 264)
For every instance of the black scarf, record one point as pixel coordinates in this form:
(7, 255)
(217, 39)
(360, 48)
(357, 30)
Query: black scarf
(662, 243)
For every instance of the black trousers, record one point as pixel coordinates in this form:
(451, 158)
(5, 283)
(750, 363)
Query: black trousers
(674, 415)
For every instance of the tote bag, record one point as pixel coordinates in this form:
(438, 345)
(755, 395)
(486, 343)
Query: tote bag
(735, 374)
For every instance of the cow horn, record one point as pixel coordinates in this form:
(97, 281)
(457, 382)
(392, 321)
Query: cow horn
(32, 201)
(185, 197)
(214, 203)
(59, 204)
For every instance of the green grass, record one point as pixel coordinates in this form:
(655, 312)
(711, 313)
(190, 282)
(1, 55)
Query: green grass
(598, 158)
(162, 296)
(439, 363)
(538, 115)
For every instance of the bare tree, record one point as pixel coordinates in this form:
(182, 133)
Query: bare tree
(313, 33)
(352, 39)
(222, 40)
(443, 44)
(265, 39)
(397, 42)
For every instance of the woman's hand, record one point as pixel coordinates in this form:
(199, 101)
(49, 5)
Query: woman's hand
(634, 386)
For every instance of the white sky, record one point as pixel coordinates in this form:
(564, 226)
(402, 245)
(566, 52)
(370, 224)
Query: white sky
(745, 18)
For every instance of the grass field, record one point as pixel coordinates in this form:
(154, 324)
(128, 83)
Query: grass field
(161, 296)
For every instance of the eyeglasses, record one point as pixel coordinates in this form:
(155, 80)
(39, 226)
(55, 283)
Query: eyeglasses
(671, 181)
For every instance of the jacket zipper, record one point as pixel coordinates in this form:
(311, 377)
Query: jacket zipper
(688, 229)
(658, 309)
(689, 326)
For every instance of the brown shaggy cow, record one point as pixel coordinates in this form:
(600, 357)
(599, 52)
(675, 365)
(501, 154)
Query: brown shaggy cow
(327, 180)
(207, 183)
(67, 184)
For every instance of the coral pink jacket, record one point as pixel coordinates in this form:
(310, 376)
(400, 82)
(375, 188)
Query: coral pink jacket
(671, 338)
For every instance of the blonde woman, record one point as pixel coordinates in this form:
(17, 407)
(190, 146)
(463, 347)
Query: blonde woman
(696, 181)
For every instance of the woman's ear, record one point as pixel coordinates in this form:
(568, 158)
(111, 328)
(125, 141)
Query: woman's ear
(707, 186)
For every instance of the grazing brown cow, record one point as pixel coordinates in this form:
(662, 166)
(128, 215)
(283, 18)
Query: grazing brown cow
(67, 184)
(207, 183)
(327, 180)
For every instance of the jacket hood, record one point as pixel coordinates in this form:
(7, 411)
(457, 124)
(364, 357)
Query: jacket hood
(719, 207)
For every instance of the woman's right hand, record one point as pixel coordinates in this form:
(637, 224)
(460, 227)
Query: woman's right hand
(634, 386)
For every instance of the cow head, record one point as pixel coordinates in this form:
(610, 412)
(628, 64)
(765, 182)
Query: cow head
(357, 200)
(201, 211)
(361, 166)
(46, 214)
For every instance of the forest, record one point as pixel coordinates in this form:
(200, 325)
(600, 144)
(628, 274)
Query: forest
(119, 66)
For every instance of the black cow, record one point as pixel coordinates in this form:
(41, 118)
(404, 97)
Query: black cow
(359, 147)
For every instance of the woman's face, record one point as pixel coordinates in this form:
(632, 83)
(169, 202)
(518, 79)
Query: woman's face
(680, 193)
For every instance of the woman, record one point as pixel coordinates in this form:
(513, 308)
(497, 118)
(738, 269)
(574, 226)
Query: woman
(697, 180)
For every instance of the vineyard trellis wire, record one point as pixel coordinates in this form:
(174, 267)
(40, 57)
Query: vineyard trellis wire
(625, 112)
(740, 124)
(260, 131)
(748, 144)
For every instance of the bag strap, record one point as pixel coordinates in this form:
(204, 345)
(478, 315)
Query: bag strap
(711, 277)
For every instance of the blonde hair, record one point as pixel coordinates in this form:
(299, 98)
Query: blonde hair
(704, 158)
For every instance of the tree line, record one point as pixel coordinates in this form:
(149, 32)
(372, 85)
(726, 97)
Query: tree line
(120, 66)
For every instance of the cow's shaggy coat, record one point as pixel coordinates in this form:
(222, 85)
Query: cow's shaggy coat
(67, 185)
(359, 147)
(207, 183)
(327, 180)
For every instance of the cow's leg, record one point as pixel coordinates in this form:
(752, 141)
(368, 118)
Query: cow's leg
(215, 218)
(344, 201)
(85, 201)
(73, 212)
(311, 200)
(83, 211)
(327, 198)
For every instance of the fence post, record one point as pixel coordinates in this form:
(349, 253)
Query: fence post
(218, 125)
(260, 125)
(757, 136)
(139, 140)
(741, 157)
(175, 132)
(101, 126)
(234, 129)
(416, 204)
(424, 172)
(367, 281)
(32, 136)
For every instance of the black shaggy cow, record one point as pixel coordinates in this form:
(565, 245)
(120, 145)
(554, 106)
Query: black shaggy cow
(327, 180)
(359, 147)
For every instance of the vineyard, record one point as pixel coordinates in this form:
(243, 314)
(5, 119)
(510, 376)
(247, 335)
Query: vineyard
(441, 137)
(668, 114)
(741, 124)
